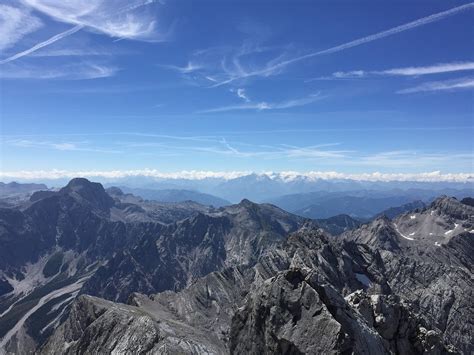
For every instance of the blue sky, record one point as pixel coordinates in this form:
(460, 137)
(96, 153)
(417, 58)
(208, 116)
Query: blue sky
(352, 87)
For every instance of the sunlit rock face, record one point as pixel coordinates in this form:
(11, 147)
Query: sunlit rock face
(95, 271)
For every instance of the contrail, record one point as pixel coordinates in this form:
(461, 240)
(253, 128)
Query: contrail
(70, 32)
(43, 44)
(402, 28)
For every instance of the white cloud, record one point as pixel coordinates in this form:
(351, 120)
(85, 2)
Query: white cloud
(447, 85)
(407, 158)
(261, 106)
(189, 68)
(241, 93)
(61, 146)
(432, 69)
(218, 64)
(79, 52)
(121, 19)
(433, 176)
(278, 64)
(440, 68)
(15, 23)
(75, 71)
(97, 16)
(349, 74)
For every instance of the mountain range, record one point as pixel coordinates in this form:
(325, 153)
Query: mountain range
(14, 188)
(89, 270)
(176, 195)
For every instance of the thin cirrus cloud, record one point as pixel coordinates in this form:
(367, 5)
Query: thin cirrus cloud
(441, 68)
(276, 152)
(40, 45)
(81, 52)
(99, 16)
(446, 85)
(262, 106)
(59, 146)
(189, 68)
(213, 146)
(15, 23)
(76, 71)
(406, 158)
(243, 95)
(279, 63)
(322, 153)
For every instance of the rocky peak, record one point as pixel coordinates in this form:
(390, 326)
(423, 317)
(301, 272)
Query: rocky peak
(450, 206)
(92, 193)
(469, 201)
(247, 205)
(379, 233)
(114, 191)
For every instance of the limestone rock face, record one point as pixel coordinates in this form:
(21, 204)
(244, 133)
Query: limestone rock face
(98, 326)
(301, 298)
(87, 271)
(287, 315)
(403, 331)
(81, 240)
(428, 258)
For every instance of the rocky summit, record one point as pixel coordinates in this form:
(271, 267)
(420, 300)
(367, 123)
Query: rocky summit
(84, 270)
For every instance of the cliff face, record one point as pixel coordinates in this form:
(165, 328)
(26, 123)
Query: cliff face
(286, 303)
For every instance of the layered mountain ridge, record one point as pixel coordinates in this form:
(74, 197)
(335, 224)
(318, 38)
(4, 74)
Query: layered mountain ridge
(85, 270)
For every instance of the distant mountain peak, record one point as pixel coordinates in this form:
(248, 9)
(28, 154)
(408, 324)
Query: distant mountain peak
(14, 187)
(114, 191)
(379, 233)
(452, 207)
(79, 182)
(91, 192)
(246, 203)
(469, 201)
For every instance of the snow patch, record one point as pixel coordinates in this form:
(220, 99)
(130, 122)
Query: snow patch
(452, 230)
(67, 345)
(401, 234)
(437, 244)
(412, 233)
(412, 216)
